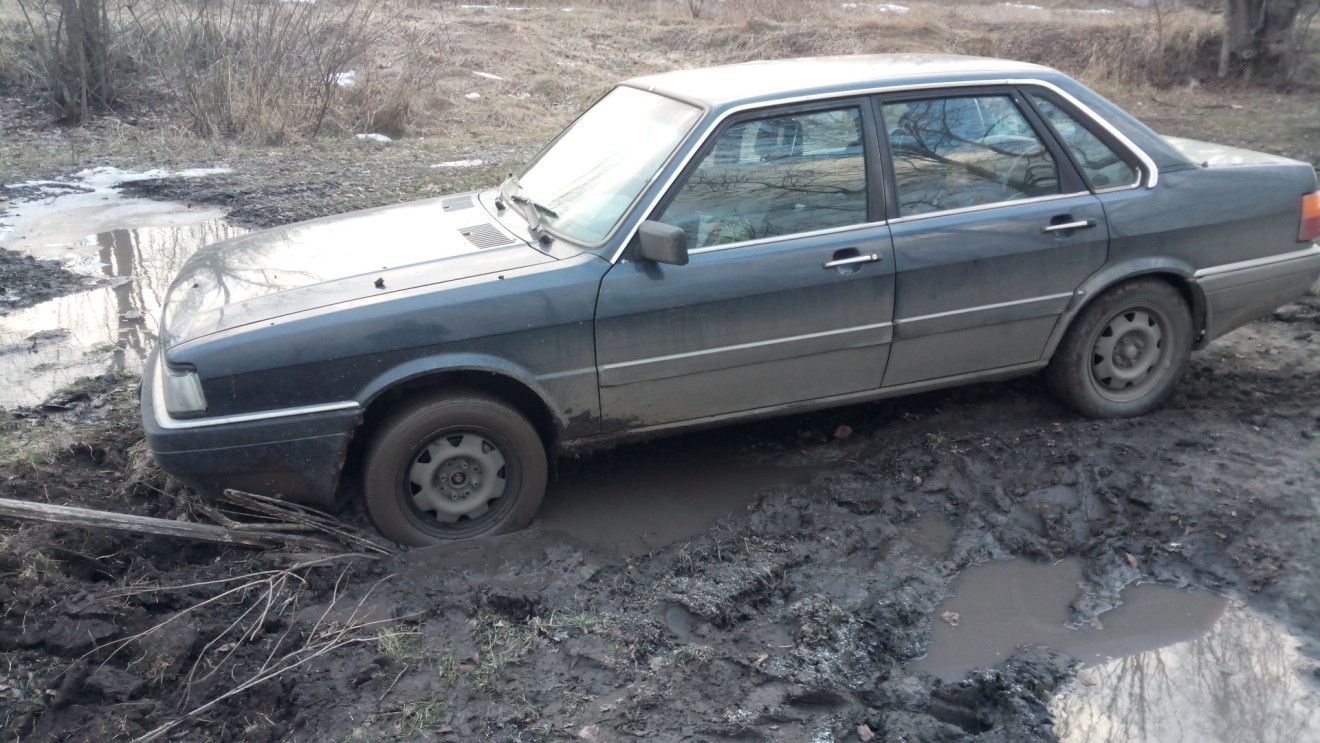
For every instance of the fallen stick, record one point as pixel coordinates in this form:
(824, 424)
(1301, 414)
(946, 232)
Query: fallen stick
(312, 520)
(86, 517)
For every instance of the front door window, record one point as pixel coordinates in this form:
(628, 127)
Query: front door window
(775, 176)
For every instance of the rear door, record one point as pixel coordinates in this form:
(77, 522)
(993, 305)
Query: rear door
(788, 294)
(993, 232)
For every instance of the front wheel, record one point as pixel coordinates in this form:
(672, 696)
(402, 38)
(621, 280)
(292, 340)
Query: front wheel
(1124, 352)
(453, 466)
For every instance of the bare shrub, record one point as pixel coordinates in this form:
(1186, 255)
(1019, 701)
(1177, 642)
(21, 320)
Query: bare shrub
(73, 53)
(258, 70)
(263, 71)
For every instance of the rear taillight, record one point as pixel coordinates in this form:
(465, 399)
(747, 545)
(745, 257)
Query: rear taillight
(1310, 218)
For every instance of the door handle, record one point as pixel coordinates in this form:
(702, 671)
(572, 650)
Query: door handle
(1083, 224)
(868, 258)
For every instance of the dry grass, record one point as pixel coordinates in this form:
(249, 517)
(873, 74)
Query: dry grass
(269, 72)
(418, 80)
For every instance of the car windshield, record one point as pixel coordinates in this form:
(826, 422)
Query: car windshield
(586, 179)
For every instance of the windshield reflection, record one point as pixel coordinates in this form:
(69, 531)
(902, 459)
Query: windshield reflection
(588, 177)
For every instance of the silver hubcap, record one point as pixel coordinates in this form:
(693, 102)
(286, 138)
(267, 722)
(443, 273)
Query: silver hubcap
(1126, 354)
(457, 476)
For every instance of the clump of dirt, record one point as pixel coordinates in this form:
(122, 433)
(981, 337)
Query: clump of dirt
(25, 281)
(793, 619)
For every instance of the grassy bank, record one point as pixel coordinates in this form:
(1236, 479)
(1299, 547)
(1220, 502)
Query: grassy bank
(449, 83)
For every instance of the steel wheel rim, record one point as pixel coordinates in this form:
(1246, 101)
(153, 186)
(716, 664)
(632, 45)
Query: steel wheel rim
(1128, 354)
(456, 477)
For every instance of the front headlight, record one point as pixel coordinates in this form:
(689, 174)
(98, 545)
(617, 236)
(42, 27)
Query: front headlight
(183, 391)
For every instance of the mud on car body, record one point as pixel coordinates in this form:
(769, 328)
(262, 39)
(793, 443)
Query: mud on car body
(713, 245)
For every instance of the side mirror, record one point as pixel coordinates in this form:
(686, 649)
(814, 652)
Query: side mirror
(663, 243)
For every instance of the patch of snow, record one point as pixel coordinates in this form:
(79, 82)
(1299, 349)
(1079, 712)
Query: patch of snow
(882, 7)
(498, 7)
(1098, 10)
(345, 79)
(487, 75)
(521, 96)
(459, 164)
(472, 96)
(373, 136)
(201, 172)
(1024, 6)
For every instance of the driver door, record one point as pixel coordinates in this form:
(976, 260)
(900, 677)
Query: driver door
(788, 292)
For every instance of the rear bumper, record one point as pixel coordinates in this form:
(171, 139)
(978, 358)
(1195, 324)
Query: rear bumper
(1237, 293)
(292, 454)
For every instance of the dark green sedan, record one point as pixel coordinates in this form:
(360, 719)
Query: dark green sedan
(714, 245)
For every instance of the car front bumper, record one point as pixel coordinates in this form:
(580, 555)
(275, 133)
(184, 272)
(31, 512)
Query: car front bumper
(294, 454)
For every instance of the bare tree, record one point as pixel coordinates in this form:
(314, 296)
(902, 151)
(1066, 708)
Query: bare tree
(72, 44)
(1265, 38)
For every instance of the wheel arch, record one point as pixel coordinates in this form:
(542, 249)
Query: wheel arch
(1174, 273)
(495, 377)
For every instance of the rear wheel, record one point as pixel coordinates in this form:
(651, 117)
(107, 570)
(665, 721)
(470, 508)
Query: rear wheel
(453, 466)
(1125, 351)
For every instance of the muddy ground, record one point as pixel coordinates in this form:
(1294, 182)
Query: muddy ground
(764, 582)
(790, 618)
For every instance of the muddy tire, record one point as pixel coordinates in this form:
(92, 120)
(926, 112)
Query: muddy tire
(1124, 352)
(453, 466)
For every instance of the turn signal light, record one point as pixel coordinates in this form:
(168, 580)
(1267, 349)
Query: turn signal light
(1310, 228)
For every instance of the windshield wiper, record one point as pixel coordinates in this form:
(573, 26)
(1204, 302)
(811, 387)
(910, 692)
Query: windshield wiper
(531, 212)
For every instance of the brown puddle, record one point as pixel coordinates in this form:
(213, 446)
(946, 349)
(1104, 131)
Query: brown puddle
(112, 328)
(1167, 666)
(640, 498)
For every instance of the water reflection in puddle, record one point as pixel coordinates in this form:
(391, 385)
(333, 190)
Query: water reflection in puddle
(1240, 682)
(1001, 606)
(108, 329)
(1167, 666)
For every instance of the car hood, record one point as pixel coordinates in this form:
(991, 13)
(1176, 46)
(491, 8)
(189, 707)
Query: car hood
(272, 273)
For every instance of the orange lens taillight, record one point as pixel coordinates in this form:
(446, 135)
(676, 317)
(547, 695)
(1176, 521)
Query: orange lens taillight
(1310, 228)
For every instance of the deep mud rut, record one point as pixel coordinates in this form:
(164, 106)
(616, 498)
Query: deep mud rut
(790, 612)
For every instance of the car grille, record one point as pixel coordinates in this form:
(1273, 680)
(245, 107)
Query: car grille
(485, 236)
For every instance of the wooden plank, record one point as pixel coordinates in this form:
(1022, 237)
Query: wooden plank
(86, 517)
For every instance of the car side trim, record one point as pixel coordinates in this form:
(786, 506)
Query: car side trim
(984, 207)
(1152, 174)
(985, 307)
(164, 420)
(742, 346)
(1314, 250)
(790, 236)
(566, 373)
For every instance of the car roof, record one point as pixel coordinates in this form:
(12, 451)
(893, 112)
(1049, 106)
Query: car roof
(751, 82)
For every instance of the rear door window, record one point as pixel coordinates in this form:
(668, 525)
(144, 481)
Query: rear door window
(1101, 165)
(964, 151)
